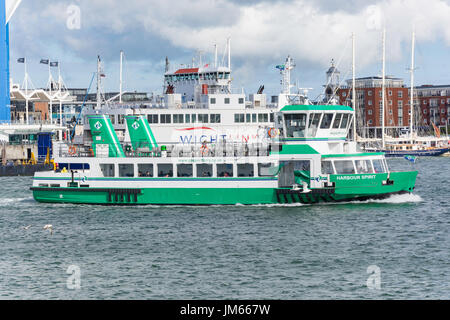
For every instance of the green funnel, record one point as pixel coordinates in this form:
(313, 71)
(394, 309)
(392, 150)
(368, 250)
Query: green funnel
(103, 134)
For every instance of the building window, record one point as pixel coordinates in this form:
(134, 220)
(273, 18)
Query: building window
(390, 93)
(424, 111)
(241, 100)
(370, 121)
(400, 103)
(227, 100)
(344, 94)
(369, 102)
(166, 118)
(369, 112)
(400, 94)
(212, 101)
(369, 93)
(390, 102)
(152, 118)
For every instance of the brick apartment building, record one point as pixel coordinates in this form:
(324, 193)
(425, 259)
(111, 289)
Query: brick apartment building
(369, 101)
(434, 104)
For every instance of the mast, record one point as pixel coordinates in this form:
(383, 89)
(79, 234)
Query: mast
(412, 86)
(98, 82)
(215, 55)
(383, 88)
(121, 76)
(60, 93)
(26, 90)
(229, 53)
(354, 87)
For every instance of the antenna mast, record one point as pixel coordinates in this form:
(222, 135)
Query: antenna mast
(383, 88)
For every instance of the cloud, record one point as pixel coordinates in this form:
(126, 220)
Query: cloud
(263, 32)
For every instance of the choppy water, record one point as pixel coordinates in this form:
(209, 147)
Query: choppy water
(257, 252)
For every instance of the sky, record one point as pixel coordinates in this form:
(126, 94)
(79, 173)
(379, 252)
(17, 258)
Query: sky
(263, 34)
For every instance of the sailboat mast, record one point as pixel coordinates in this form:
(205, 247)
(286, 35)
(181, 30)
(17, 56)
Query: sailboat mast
(354, 87)
(383, 89)
(121, 76)
(412, 86)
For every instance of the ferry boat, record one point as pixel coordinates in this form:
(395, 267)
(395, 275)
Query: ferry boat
(305, 158)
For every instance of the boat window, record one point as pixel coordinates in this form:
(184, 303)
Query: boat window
(245, 170)
(203, 118)
(126, 170)
(194, 118)
(267, 169)
(145, 169)
(107, 169)
(215, 118)
(152, 118)
(165, 170)
(263, 117)
(295, 125)
(254, 117)
(350, 120)
(204, 170)
(344, 121)
(337, 121)
(184, 170)
(363, 166)
(378, 166)
(327, 167)
(326, 121)
(225, 170)
(344, 167)
(178, 118)
(188, 118)
(314, 120)
(166, 118)
(248, 117)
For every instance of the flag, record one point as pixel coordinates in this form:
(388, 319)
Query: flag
(44, 61)
(281, 67)
(206, 65)
(21, 60)
(437, 132)
(54, 64)
(411, 158)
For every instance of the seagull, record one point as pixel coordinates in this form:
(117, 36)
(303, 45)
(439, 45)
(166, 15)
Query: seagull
(27, 227)
(49, 227)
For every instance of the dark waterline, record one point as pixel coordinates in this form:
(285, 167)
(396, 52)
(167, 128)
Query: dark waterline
(237, 252)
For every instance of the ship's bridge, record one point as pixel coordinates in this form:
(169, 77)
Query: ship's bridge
(315, 122)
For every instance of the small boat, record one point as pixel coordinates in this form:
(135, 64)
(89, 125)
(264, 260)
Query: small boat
(307, 158)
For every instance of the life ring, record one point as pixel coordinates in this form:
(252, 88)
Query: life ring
(272, 132)
(91, 152)
(204, 149)
(72, 150)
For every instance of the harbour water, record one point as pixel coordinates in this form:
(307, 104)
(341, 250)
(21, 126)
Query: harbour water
(230, 252)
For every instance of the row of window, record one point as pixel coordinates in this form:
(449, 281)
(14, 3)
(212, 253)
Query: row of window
(195, 76)
(370, 93)
(354, 166)
(225, 100)
(167, 170)
(253, 117)
(296, 123)
(183, 118)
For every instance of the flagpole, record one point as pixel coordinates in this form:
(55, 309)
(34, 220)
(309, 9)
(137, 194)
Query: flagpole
(26, 91)
(50, 90)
